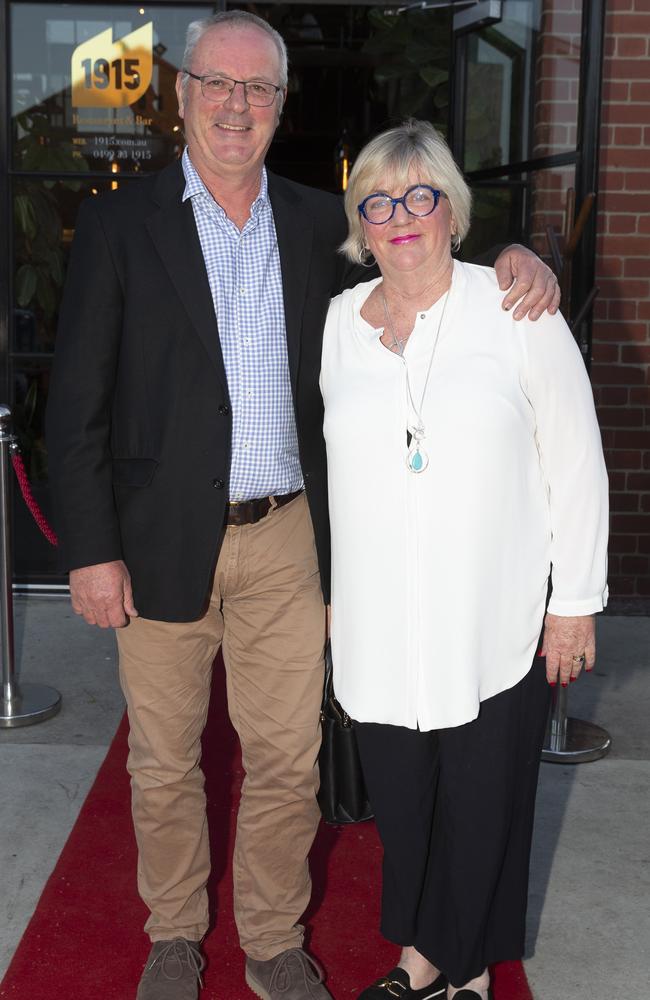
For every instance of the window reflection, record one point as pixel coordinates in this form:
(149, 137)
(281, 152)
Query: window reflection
(497, 216)
(557, 69)
(522, 79)
(44, 214)
(551, 204)
(518, 209)
(498, 72)
(93, 86)
(33, 555)
(353, 69)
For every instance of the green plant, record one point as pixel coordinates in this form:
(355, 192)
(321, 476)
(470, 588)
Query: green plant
(39, 265)
(37, 219)
(412, 53)
(38, 254)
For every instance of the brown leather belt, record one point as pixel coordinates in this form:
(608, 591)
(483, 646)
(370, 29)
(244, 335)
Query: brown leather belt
(252, 511)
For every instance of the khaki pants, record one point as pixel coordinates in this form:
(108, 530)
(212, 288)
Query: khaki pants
(266, 609)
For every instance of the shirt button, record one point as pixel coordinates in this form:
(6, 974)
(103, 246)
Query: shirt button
(218, 484)
(423, 315)
(224, 409)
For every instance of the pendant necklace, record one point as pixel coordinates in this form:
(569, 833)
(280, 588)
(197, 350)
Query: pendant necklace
(416, 458)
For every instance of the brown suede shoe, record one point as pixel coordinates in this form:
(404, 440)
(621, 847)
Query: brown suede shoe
(291, 975)
(173, 971)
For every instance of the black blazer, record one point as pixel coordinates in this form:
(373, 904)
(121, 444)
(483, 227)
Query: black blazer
(138, 420)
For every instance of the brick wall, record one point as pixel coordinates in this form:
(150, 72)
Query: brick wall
(555, 125)
(621, 329)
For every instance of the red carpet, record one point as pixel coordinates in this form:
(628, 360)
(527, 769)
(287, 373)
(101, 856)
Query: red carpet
(84, 940)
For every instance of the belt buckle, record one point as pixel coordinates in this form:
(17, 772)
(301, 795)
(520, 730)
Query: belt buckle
(246, 511)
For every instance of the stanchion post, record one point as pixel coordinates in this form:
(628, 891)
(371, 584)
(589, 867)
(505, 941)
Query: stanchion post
(22, 705)
(557, 720)
(571, 741)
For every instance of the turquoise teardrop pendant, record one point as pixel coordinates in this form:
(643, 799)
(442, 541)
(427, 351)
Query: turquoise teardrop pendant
(417, 459)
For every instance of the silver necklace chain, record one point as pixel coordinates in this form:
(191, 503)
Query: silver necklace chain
(419, 430)
(398, 343)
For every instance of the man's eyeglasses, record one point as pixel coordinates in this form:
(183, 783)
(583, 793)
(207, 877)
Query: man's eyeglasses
(219, 88)
(419, 200)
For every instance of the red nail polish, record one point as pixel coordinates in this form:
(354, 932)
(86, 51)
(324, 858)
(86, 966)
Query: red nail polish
(572, 679)
(588, 670)
(565, 684)
(553, 684)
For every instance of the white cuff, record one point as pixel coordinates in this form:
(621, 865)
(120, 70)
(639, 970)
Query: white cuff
(577, 608)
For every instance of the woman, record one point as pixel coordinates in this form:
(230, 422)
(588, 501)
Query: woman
(464, 461)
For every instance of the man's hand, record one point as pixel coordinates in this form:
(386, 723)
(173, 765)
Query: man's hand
(534, 283)
(568, 644)
(102, 594)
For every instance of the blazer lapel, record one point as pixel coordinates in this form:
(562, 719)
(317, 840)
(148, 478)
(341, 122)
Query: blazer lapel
(173, 231)
(294, 228)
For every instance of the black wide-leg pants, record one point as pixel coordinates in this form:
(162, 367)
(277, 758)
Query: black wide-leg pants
(454, 809)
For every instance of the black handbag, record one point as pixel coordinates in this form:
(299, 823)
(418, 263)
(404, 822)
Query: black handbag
(342, 796)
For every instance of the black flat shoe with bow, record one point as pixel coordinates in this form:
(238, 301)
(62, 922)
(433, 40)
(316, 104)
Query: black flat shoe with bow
(396, 983)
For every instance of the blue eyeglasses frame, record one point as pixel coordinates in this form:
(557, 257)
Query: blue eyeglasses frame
(437, 195)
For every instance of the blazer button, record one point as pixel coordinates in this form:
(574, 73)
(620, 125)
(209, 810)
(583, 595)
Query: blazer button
(224, 409)
(218, 484)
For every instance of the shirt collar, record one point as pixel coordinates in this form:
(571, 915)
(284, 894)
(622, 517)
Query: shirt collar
(194, 186)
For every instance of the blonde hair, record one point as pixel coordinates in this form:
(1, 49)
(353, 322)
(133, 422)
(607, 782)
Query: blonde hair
(413, 144)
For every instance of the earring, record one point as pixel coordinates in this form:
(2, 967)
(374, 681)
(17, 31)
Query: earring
(363, 255)
(455, 242)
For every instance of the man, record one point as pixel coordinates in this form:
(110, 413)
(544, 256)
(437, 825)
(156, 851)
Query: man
(189, 476)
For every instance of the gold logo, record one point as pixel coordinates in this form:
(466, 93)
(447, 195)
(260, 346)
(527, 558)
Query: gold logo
(108, 74)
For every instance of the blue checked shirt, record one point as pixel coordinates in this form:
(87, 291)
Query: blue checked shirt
(246, 284)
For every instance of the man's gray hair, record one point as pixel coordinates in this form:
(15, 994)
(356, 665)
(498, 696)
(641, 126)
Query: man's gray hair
(237, 18)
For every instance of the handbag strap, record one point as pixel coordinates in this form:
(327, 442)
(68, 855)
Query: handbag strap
(328, 687)
(329, 697)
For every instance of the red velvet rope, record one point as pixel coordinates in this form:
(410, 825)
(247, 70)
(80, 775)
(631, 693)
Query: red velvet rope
(26, 490)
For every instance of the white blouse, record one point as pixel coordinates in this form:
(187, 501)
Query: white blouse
(439, 579)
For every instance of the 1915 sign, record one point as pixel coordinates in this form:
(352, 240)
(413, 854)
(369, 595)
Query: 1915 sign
(112, 74)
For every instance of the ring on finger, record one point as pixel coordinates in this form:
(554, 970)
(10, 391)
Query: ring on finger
(579, 659)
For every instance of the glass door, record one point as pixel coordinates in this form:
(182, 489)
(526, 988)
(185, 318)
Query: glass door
(525, 116)
(515, 123)
(91, 106)
(353, 69)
